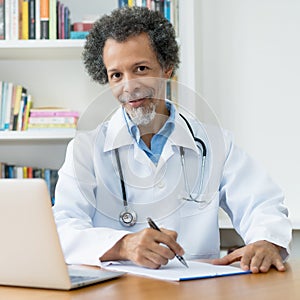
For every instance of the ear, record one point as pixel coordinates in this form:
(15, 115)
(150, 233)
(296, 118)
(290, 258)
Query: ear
(168, 72)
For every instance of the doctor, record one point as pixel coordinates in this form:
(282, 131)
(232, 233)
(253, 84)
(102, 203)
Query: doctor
(148, 161)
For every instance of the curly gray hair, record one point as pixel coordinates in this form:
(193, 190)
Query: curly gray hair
(123, 23)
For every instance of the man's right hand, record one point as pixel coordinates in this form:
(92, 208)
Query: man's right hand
(149, 248)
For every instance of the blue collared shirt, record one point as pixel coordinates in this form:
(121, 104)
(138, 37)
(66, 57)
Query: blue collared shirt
(158, 140)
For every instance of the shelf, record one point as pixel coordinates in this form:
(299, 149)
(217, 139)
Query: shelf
(6, 136)
(41, 49)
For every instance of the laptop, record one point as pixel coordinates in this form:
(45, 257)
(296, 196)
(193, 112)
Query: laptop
(30, 252)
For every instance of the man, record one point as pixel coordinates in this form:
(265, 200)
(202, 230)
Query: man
(144, 162)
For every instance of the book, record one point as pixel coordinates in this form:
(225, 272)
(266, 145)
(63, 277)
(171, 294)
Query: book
(3, 104)
(56, 126)
(1, 92)
(25, 20)
(14, 20)
(8, 105)
(52, 19)
(27, 108)
(19, 91)
(78, 35)
(37, 19)
(2, 20)
(52, 112)
(174, 270)
(53, 120)
(44, 18)
(21, 111)
(31, 20)
(82, 26)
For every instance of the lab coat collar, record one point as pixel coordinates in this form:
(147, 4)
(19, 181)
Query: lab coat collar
(118, 136)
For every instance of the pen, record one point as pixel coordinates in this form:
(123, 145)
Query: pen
(154, 226)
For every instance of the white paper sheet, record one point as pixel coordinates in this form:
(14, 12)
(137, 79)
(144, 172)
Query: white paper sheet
(175, 271)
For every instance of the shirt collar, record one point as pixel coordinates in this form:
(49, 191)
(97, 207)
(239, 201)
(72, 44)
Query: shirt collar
(117, 134)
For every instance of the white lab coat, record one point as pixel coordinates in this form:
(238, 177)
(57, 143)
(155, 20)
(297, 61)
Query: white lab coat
(88, 197)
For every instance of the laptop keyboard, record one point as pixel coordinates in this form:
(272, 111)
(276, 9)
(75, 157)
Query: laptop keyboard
(76, 279)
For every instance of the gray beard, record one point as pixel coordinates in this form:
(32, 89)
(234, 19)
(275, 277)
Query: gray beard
(143, 115)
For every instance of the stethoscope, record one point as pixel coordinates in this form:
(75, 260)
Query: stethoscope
(128, 217)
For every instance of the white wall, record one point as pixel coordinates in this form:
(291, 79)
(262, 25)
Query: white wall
(249, 71)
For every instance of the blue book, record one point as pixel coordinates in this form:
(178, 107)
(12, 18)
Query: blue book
(78, 35)
(167, 10)
(123, 3)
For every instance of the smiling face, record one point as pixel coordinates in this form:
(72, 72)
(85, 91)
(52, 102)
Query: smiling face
(134, 74)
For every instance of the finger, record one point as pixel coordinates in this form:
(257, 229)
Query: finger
(162, 237)
(162, 251)
(265, 265)
(229, 258)
(171, 233)
(279, 265)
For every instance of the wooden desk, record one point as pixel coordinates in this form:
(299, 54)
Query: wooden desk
(273, 285)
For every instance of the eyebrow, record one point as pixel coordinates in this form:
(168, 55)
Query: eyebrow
(134, 65)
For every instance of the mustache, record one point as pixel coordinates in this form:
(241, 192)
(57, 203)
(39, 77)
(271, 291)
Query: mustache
(136, 95)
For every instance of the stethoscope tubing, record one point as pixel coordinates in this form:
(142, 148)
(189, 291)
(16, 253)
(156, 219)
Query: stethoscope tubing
(129, 217)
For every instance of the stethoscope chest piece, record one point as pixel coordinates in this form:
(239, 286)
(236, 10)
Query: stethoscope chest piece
(128, 217)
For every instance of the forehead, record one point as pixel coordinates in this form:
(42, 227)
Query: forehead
(135, 48)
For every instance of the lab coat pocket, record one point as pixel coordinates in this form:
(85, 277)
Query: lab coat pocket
(199, 232)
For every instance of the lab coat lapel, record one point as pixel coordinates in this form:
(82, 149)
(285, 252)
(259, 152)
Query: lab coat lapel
(117, 134)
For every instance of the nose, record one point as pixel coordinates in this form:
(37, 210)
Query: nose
(130, 84)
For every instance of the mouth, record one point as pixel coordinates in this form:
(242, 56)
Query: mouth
(137, 102)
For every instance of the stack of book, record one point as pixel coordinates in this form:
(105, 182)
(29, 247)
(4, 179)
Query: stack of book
(15, 104)
(80, 30)
(34, 19)
(49, 118)
(23, 172)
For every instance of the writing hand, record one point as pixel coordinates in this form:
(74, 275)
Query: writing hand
(256, 257)
(146, 248)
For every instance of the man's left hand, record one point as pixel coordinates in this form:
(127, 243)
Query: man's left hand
(256, 257)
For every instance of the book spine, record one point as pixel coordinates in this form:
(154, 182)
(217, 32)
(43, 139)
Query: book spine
(52, 113)
(66, 23)
(44, 17)
(26, 112)
(14, 20)
(78, 35)
(3, 104)
(8, 105)
(25, 20)
(20, 17)
(62, 21)
(2, 20)
(7, 19)
(19, 91)
(52, 120)
(21, 111)
(33, 126)
(31, 20)
(167, 10)
(52, 19)
(37, 19)
(13, 103)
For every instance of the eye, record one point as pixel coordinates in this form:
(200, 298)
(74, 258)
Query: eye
(115, 76)
(142, 69)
